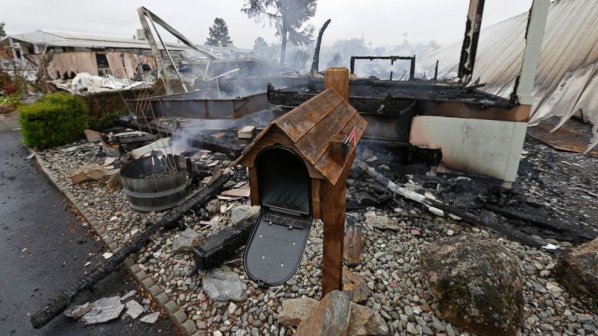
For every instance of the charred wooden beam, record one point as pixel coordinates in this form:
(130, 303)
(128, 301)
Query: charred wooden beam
(225, 244)
(59, 303)
(437, 206)
(229, 149)
(470, 41)
(565, 232)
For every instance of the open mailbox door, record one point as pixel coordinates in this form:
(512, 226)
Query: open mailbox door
(278, 240)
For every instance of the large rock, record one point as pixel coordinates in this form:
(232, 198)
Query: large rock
(477, 283)
(329, 318)
(224, 286)
(242, 212)
(294, 311)
(577, 270)
(363, 321)
(355, 286)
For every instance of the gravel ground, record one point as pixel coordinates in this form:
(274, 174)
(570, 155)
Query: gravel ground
(390, 266)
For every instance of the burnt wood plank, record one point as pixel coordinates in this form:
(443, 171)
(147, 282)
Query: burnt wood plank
(302, 119)
(315, 142)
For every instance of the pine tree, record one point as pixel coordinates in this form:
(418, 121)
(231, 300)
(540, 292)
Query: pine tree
(288, 16)
(218, 36)
(2, 32)
(261, 48)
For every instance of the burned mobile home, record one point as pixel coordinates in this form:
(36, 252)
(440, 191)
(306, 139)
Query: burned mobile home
(69, 53)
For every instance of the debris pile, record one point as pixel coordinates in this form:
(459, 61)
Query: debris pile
(385, 267)
(110, 308)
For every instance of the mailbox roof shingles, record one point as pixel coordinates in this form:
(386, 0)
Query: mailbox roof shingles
(312, 125)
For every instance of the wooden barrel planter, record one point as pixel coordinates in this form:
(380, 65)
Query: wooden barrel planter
(155, 184)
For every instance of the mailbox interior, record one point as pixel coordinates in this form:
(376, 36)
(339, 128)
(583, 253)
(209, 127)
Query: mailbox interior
(278, 240)
(283, 180)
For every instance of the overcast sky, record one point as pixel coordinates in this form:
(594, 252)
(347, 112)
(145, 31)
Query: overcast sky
(380, 22)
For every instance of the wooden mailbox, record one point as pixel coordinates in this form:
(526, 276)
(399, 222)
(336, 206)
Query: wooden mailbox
(297, 170)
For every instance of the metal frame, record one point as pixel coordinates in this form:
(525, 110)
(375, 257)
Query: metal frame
(392, 61)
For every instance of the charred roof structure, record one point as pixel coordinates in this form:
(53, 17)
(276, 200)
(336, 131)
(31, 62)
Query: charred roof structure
(476, 132)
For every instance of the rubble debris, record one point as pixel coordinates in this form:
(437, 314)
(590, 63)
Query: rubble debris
(242, 212)
(185, 241)
(60, 302)
(93, 136)
(128, 295)
(133, 137)
(86, 82)
(150, 318)
(93, 172)
(330, 318)
(353, 245)
(111, 149)
(381, 222)
(487, 219)
(241, 192)
(158, 145)
(564, 138)
(214, 250)
(294, 311)
(104, 310)
(134, 309)
(246, 132)
(76, 312)
(577, 270)
(230, 149)
(88, 172)
(477, 284)
(222, 286)
(355, 287)
(108, 161)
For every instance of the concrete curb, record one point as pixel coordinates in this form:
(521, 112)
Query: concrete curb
(177, 315)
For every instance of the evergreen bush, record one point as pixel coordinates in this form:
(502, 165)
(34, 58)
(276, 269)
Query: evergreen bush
(54, 120)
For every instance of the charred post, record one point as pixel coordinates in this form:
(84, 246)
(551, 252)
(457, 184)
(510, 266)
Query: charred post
(470, 41)
(316, 61)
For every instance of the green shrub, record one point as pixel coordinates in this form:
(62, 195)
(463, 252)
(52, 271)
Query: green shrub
(54, 120)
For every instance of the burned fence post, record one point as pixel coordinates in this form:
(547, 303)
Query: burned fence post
(297, 170)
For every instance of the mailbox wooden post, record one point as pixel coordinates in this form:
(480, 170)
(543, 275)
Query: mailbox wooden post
(297, 171)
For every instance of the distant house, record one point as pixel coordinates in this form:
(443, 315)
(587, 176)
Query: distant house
(68, 53)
